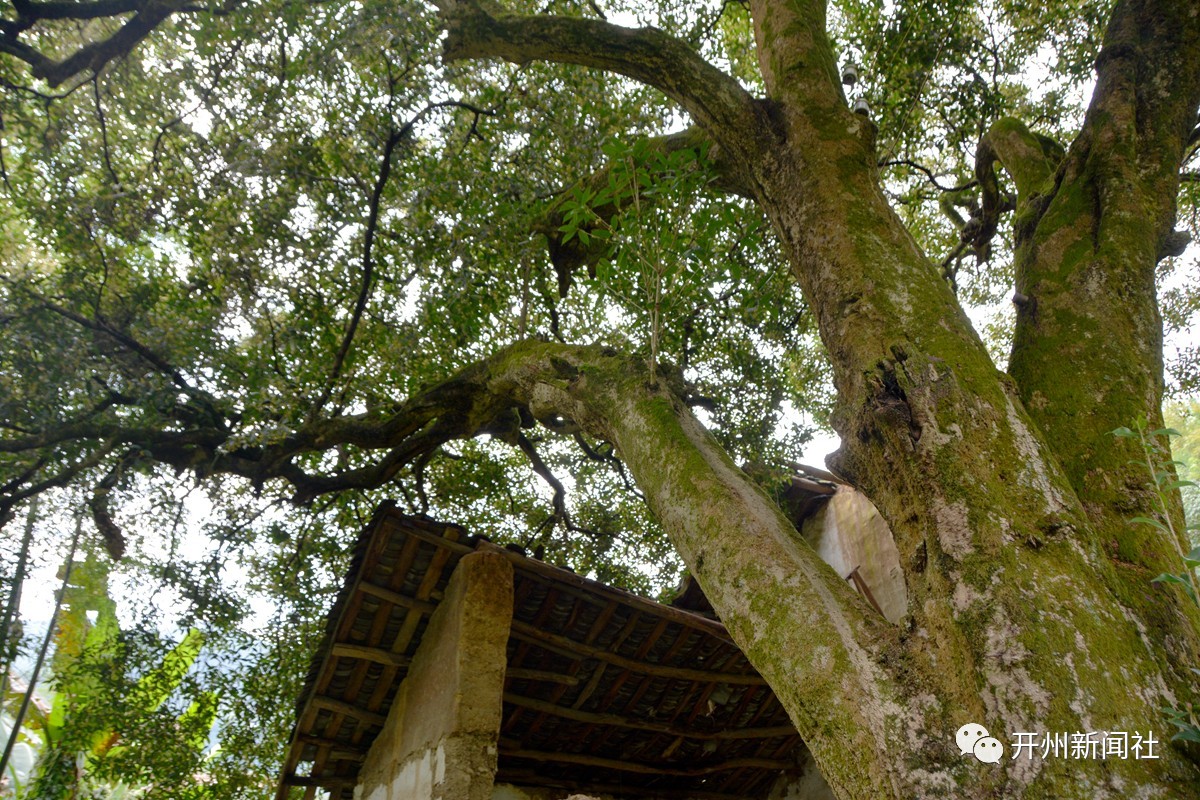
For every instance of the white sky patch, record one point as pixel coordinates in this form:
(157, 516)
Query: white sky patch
(178, 257)
(412, 300)
(823, 444)
(198, 118)
(824, 440)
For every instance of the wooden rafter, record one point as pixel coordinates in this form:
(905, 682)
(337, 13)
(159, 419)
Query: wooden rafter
(374, 654)
(336, 750)
(620, 721)
(571, 648)
(622, 765)
(397, 599)
(593, 592)
(541, 675)
(348, 710)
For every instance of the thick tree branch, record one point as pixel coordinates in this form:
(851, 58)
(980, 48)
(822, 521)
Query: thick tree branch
(1029, 158)
(796, 55)
(9, 499)
(67, 9)
(1085, 267)
(148, 15)
(11, 45)
(110, 532)
(715, 100)
(453, 409)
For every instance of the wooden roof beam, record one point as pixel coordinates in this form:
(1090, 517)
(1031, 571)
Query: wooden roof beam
(395, 598)
(540, 675)
(331, 783)
(583, 760)
(572, 649)
(619, 721)
(337, 751)
(594, 591)
(441, 540)
(349, 710)
(377, 655)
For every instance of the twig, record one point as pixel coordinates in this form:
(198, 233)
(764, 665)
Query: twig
(105, 149)
(539, 466)
(3, 168)
(101, 325)
(396, 138)
(1148, 445)
(904, 162)
(608, 457)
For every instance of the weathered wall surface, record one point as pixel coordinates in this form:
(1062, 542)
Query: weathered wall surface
(803, 783)
(847, 533)
(440, 740)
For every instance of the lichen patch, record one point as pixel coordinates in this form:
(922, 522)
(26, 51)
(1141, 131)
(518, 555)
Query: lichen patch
(953, 528)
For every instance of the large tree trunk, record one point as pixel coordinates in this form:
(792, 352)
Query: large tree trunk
(1006, 528)
(1031, 607)
(1011, 625)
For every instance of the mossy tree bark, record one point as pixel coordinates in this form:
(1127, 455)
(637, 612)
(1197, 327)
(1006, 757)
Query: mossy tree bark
(1086, 256)
(1031, 607)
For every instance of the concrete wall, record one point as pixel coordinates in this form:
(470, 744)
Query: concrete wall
(440, 739)
(847, 533)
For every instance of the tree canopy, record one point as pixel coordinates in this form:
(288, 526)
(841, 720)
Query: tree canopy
(263, 266)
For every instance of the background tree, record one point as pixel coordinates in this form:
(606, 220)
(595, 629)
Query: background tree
(293, 252)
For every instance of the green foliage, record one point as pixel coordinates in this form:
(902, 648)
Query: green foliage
(112, 727)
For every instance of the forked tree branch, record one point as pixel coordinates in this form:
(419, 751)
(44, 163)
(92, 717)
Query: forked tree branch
(715, 99)
(92, 57)
(1030, 160)
(722, 524)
